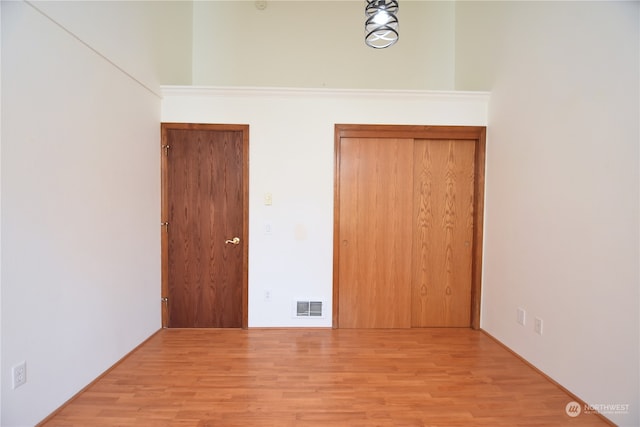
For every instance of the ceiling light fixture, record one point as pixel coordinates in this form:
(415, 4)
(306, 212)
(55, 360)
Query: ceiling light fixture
(381, 27)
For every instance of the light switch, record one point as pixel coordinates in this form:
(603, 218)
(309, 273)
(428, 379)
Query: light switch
(268, 199)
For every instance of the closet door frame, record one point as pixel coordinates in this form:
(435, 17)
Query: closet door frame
(474, 133)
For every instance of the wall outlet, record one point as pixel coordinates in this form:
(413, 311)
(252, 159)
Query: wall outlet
(538, 326)
(267, 295)
(521, 316)
(19, 374)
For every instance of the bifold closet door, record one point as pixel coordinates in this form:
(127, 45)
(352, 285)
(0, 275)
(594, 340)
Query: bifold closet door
(376, 205)
(443, 233)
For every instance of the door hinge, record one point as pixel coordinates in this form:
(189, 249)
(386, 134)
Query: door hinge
(166, 149)
(165, 312)
(165, 225)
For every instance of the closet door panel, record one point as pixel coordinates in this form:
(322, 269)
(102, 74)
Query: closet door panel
(375, 237)
(443, 216)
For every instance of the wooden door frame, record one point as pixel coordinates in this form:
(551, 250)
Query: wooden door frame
(474, 133)
(164, 127)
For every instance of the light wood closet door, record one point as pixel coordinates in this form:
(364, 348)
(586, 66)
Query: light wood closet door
(406, 213)
(376, 178)
(443, 233)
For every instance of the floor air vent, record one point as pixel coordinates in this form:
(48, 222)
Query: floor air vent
(308, 308)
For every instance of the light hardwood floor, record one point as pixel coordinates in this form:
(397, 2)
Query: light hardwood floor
(321, 377)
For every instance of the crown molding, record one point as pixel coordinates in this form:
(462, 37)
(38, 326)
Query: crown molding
(233, 91)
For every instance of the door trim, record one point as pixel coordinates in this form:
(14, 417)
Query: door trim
(475, 133)
(164, 127)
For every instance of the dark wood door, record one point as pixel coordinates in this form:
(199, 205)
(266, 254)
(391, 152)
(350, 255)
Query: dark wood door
(205, 207)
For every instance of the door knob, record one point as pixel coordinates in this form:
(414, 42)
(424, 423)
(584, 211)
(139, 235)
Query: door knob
(234, 241)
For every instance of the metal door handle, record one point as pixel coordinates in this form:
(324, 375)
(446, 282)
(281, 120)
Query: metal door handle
(234, 241)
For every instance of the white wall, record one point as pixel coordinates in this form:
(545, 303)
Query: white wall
(320, 44)
(80, 213)
(0, 215)
(292, 157)
(150, 40)
(562, 216)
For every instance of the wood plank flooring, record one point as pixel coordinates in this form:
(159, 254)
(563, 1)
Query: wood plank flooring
(321, 377)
